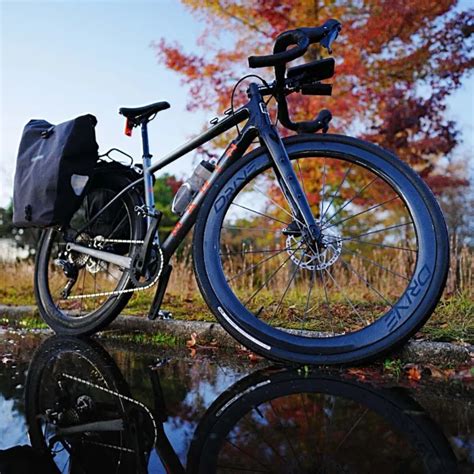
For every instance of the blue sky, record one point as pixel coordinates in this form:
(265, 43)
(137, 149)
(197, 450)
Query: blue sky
(60, 59)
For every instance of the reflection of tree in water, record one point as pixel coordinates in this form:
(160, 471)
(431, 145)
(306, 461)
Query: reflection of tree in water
(303, 432)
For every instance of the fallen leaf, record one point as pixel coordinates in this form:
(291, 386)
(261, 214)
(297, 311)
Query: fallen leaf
(357, 373)
(254, 357)
(414, 374)
(192, 341)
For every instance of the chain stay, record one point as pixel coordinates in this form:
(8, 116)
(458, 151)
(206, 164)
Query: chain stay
(128, 290)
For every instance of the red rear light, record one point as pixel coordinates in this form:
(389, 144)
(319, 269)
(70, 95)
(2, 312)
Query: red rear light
(128, 127)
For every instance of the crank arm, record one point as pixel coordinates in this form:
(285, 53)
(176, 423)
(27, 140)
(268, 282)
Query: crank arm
(66, 291)
(119, 260)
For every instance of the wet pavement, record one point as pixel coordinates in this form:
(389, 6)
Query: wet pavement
(68, 405)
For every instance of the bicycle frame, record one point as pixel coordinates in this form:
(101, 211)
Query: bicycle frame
(258, 125)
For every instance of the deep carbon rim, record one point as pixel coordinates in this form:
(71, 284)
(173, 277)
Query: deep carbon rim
(248, 327)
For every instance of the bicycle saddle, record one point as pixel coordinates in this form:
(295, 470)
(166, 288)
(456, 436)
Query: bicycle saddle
(140, 114)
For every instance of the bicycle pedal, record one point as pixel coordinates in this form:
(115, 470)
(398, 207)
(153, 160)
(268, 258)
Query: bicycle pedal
(164, 315)
(161, 314)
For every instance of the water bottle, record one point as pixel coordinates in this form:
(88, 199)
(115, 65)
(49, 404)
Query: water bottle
(191, 186)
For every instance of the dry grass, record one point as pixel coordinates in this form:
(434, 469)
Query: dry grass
(452, 320)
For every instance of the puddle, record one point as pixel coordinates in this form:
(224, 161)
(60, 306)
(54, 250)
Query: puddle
(81, 406)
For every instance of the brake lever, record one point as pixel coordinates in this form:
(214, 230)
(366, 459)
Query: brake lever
(327, 41)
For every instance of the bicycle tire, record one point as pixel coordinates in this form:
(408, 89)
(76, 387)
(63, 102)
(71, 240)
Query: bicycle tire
(400, 412)
(407, 314)
(43, 365)
(62, 320)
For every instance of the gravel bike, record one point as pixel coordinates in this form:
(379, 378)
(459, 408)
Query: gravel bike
(315, 248)
(83, 417)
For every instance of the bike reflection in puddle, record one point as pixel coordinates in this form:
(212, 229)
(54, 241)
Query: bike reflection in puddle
(83, 418)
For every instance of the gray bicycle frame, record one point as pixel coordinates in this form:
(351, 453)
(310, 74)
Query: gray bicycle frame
(258, 125)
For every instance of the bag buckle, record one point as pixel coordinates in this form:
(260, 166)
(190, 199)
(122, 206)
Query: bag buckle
(47, 133)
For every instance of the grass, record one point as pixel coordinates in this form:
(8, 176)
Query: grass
(393, 367)
(453, 319)
(29, 322)
(158, 339)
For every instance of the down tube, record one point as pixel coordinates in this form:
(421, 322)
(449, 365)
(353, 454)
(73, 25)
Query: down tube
(234, 151)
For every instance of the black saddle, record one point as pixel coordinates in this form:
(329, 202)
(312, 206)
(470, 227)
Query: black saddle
(142, 114)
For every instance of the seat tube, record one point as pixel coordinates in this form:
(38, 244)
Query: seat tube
(147, 176)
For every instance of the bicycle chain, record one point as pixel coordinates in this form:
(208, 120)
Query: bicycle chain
(118, 395)
(128, 290)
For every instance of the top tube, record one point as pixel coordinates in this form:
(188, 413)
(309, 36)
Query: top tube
(221, 127)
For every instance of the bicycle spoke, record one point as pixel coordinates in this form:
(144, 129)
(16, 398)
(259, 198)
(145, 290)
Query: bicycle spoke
(82, 299)
(278, 417)
(329, 315)
(351, 200)
(231, 227)
(260, 213)
(117, 227)
(373, 262)
(278, 205)
(353, 427)
(301, 176)
(311, 286)
(351, 237)
(250, 456)
(406, 249)
(263, 439)
(337, 191)
(285, 292)
(107, 270)
(323, 191)
(347, 298)
(271, 276)
(254, 251)
(376, 206)
(349, 266)
(254, 266)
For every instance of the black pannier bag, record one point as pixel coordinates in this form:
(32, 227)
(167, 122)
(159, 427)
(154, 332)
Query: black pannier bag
(54, 166)
(114, 218)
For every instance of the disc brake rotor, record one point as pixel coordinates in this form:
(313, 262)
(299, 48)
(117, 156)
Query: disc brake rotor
(309, 259)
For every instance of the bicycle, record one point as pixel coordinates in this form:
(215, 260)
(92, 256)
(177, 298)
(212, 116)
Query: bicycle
(83, 417)
(316, 248)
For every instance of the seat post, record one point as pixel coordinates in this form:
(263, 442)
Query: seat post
(147, 176)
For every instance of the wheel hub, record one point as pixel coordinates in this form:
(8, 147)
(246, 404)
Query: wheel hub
(311, 257)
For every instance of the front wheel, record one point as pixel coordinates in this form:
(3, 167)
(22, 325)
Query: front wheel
(371, 282)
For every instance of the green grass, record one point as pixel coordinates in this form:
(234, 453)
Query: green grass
(28, 322)
(158, 339)
(393, 367)
(453, 319)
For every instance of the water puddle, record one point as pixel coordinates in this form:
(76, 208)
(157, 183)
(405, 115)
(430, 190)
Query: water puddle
(68, 405)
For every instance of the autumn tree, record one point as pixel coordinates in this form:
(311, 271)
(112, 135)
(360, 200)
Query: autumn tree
(397, 61)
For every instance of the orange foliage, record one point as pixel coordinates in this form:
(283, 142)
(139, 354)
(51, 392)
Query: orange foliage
(397, 60)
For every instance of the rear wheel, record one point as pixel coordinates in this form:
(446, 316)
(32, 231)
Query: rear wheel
(373, 280)
(65, 280)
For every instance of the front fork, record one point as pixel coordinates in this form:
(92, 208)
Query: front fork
(286, 176)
